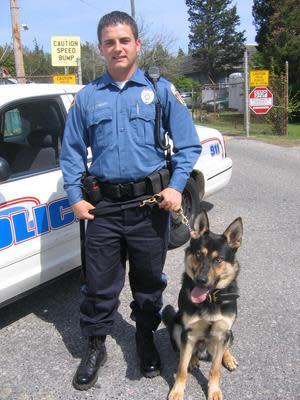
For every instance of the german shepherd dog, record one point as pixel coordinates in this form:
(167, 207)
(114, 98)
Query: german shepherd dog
(201, 328)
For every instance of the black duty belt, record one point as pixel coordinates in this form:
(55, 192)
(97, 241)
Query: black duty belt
(152, 184)
(124, 190)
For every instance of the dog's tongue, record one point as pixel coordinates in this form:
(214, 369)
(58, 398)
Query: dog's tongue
(198, 295)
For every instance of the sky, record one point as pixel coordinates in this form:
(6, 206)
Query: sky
(46, 18)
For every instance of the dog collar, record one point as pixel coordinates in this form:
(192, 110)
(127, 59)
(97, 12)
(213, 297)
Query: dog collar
(221, 297)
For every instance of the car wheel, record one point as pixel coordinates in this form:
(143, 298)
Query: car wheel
(179, 233)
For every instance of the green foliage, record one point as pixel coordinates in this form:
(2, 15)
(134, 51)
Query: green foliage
(276, 116)
(92, 64)
(36, 62)
(159, 55)
(278, 36)
(7, 59)
(214, 41)
(180, 53)
(183, 83)
(294, 106)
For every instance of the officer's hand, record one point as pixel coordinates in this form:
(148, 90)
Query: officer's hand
(171, 199)
(81, 209)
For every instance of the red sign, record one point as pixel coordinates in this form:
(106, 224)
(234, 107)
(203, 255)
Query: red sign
(261, 100)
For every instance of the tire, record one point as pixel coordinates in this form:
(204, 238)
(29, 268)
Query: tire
(179, 233)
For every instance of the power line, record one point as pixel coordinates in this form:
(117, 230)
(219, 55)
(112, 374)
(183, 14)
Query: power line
(90, 5)
(132, 5)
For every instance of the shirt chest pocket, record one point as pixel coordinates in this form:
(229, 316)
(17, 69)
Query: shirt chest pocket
(100, 127)
(142, 120)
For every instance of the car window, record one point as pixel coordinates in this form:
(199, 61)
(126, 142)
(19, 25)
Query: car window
(12, 123)
(31, 132)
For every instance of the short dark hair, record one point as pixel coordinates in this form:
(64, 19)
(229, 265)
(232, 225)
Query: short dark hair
(114, 18)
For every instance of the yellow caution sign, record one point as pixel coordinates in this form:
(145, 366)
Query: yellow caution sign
(68, 78)
(259, 77)
(65, 50)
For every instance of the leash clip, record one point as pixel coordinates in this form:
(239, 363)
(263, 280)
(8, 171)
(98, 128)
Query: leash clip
(155, 199)
(183, 218)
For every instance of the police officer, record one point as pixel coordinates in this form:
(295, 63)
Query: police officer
(115, 116)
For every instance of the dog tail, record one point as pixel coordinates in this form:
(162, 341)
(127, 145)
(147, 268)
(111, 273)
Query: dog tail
(168, 315)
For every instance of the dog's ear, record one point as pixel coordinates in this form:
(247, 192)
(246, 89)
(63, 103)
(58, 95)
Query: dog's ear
(200, 225)
(234, 233)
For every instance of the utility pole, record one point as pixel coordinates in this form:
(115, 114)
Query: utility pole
(18, 50)
(132, 9)
(93, 63)
(247, 114)
(286, 99)
(79, 72)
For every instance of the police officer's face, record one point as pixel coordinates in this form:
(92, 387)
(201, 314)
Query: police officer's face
(119, 48)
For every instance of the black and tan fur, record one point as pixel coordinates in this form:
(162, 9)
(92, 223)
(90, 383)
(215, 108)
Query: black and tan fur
(203, 331)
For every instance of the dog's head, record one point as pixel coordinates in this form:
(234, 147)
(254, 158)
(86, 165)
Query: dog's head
(210, 258)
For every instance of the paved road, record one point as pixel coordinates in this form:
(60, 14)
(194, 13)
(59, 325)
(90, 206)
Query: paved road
(40, 342)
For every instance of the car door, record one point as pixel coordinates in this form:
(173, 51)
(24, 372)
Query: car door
(38, 239)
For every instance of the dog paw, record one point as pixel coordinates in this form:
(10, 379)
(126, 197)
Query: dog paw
(194, 363)
(176, 394)
(229, 361)
(215, 394)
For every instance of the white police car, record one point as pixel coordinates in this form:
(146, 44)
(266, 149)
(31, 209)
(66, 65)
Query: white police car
(39, 234)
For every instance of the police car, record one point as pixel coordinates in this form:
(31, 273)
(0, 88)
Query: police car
(39, 234)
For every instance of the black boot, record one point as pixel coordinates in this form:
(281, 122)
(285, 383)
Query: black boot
(149, 357)
(87, 373)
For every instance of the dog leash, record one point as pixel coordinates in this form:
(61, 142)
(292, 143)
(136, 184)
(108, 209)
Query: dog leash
(156, 199)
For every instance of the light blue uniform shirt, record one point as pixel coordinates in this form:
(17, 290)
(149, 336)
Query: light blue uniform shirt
(118, 125)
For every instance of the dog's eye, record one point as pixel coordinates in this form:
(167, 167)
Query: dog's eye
(218, 260)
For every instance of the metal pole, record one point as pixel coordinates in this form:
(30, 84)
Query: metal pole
(93, 63)
(247, 114)
(132, 9)
(79, 71)
(18, 50)
(214, 102)
(286, 98)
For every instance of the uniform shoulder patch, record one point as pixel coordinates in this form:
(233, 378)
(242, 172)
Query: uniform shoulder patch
(177, 95)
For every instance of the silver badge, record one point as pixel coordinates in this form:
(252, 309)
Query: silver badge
(147, 95)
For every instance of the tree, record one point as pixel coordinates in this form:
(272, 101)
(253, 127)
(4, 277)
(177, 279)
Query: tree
(155, 50)
(183, 83)
(37, 62)
(92, 64)
(278, 37)
(7, 58)
(215, 44)
(180, 53)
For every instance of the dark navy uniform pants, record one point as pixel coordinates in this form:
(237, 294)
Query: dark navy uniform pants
(142, 233)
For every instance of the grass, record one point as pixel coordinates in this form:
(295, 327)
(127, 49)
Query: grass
(233, 123)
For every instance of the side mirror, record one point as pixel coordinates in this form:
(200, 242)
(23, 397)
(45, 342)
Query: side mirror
(5, 170)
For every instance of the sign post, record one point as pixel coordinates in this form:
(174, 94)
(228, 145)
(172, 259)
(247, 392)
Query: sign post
(246, 81)
(261, 100)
